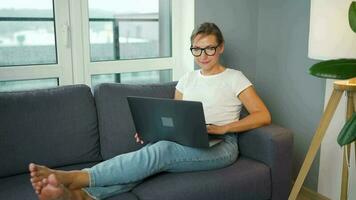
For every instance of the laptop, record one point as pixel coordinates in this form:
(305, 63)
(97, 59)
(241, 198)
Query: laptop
(179, 121)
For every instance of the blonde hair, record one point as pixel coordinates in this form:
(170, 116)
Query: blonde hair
(207, 28)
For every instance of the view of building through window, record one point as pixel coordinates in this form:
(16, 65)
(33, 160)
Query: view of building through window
(22, 85)
(146, 77)
(129, 32)
(118, 30)
(27, 33)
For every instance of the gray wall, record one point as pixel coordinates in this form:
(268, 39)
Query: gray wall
(237, 19)
(295, 98)
(268, 41)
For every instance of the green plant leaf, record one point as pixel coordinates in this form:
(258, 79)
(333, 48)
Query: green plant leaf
(348, 132)
(334, 69)
(352, 16)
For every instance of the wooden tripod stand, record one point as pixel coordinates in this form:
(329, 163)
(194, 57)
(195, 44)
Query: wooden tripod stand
(339, 88)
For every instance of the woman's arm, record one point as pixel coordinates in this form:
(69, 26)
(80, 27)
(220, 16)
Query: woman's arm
(258, 114)
(178, 95)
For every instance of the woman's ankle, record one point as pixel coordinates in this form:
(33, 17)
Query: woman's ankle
(78, 179)
(80, 194)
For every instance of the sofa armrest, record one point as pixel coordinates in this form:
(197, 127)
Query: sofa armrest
(273, 146)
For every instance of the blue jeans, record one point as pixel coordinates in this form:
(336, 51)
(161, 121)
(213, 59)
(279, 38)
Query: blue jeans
(123, 172)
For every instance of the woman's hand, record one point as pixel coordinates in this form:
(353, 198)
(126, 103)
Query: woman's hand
(138, 139)
(218, 130)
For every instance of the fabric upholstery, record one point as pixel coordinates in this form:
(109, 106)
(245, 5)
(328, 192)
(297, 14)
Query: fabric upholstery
(124, 196)
(19, 187)
(271, 145)
(245, 179)
(54, 127)
(62, 126)
(116, 127)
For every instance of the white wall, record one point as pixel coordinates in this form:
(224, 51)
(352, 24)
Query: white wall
(331, 154)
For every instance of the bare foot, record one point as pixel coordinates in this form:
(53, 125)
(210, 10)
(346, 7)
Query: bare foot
(37, 177)
(54, 190)
(70, 179)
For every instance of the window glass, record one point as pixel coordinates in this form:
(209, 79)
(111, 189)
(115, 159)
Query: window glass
(129, 29)
(27, 32)
(21, 85)
(146, 77)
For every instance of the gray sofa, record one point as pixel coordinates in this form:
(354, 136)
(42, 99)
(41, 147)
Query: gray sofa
(69, 128)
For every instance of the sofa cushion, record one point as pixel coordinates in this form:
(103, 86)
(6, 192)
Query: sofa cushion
(123, 196)
(115, 122)
(19, 186)
(54, 127)
(245, 179)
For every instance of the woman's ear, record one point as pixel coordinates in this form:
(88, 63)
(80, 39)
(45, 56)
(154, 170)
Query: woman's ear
(221, 48)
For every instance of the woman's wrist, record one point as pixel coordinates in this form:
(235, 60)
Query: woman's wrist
(227, 128)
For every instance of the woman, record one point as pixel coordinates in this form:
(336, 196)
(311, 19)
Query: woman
(222, 91)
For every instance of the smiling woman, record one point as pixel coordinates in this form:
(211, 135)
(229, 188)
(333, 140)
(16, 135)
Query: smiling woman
(208, 39)
(221, 91)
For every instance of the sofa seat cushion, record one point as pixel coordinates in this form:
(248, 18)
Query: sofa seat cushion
(56, 127)
(124, 196)
(16, 187)
(245, 179)
(19, 186)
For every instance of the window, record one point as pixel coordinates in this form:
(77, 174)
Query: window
(158, 76)
(6, 86)
(129, 32)
(27, 33)
(44, 43)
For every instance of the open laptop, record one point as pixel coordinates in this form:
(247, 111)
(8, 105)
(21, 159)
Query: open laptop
(179, 121)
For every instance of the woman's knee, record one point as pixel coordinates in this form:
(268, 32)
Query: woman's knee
(165, 147)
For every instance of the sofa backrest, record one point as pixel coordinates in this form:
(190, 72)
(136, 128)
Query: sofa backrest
(54, 127)
(116, 127)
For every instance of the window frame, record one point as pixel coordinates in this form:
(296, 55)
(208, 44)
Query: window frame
(62, 69)
(73, 48)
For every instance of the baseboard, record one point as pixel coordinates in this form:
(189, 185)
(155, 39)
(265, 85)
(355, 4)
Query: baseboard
(310, 194)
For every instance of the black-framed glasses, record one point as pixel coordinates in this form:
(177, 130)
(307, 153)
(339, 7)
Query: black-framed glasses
(209, 51)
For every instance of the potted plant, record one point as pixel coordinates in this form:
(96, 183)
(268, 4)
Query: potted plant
(341, 69)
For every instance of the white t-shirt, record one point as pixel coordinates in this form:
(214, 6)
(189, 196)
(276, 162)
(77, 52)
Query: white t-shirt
(218, 94)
